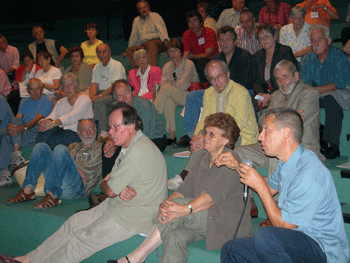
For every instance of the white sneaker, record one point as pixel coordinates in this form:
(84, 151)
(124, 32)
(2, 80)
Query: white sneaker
(17, 159)
(175, 182)
(5, 178)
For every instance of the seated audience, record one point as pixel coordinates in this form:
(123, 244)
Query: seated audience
(176, 80)
(275, 13)
(241, 66)
(81, 70)
(60, 127)
(105, 73)
(148, 32)
(327, 69)
(266, 59)
(307, 223)
(68, 173)
(200, 43)
(207, 206)
(22, 130)
(9, 58)
(246, 37)
(57, 51)
(143, 78)
(28, 70)
(135, 190)
(319, 12)
(203, 8)
(296, 34)
(152, 126)
(89, 46)
(49, 75)
(230, 16)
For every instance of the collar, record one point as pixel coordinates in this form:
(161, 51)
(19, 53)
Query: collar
(136, 137)
(146, 71)
(288, 168)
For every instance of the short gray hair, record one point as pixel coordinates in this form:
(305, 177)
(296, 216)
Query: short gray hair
(288, 118)
(70, 77)
(325, 29)
(223, 66)
(286, 63)
(33, 81)
(124, 81)
(139, 53)
(297, 10)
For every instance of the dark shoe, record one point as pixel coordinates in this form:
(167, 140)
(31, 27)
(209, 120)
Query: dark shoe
(331, 153)
(266, 223)
(171, 141)
(116, 261)
(254, 212)
(95, 200)
(184, 141)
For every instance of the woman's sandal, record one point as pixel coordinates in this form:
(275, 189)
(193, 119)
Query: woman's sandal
(8, 259)
(116, 261)
(48, 202)
(21, 197)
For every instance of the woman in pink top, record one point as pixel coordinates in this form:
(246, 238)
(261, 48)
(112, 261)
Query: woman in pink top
(145, 76)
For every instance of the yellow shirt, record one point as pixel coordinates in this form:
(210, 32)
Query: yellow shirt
(90, 56)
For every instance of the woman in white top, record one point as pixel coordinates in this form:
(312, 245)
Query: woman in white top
(50, 75)
(60, 127)
(203, 9)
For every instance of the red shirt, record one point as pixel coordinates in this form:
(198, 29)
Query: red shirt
(198, 45)
(281, 17)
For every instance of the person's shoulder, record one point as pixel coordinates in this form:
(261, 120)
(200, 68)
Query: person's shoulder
(187, 34)
(308, 89)
(83, 99)
(263, 10)
(243, 52)
(286, 28)
(155, 69)
(338, 52)
(284, 5)
(141, 103)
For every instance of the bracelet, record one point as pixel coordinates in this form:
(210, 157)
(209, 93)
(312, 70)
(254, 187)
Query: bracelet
(53, 124)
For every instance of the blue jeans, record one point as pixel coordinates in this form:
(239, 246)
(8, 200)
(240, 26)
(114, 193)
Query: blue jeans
(274, 244)
(26, 138)
(56, 136)
(194, 102)
(61, 174)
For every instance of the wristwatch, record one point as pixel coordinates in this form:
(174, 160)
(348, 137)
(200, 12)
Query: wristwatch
(325, 8)
(25, 128)
(190, 207)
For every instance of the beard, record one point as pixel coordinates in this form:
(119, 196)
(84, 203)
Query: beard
(291, 87)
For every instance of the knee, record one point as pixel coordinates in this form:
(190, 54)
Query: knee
(60, 150)
(262, 240)
(41, 147)
(174, 239)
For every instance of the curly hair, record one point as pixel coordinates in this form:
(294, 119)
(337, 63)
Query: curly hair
(227, 124)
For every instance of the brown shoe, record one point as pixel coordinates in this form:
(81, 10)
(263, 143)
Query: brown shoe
(21, 197)
(266, 223)
(48, 202)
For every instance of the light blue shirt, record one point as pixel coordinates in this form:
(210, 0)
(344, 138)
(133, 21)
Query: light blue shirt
(308, 199)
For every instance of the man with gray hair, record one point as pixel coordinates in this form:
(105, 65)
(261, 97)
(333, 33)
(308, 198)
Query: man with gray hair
(70, 172)
(135, 187)
(148, 32)
(307, 222)
(104, 74)
(327, 69)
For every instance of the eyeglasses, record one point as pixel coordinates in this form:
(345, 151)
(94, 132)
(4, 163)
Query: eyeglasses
(212, 79)
(174, 75)
(210, 134)
(114, 127)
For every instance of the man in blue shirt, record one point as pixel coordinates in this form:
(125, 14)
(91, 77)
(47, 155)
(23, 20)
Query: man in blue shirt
(327, 69)
(307, 223)
(22, 129)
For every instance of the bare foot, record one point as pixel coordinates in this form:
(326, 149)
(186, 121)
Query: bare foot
(23, 259)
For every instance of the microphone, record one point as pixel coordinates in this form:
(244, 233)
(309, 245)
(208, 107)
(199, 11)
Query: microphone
(245, 192)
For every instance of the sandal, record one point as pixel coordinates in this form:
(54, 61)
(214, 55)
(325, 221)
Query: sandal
(7, 259)
(21, 197)
(48, 202)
